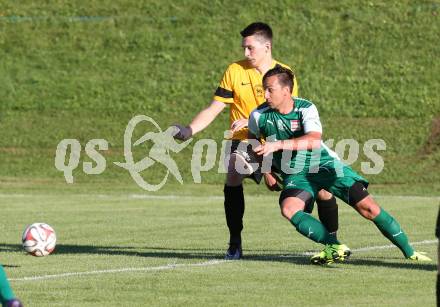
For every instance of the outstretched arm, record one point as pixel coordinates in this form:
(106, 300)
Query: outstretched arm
(200, 121)
(206, 116)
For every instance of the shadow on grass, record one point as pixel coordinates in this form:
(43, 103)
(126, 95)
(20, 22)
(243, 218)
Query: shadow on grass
(210, 254)
(11, 266)
(408, 264)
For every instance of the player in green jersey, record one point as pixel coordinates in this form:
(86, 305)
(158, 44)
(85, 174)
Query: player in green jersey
(7, 296)
(292, 129)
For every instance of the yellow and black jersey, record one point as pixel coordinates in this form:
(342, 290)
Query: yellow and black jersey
(242, 88)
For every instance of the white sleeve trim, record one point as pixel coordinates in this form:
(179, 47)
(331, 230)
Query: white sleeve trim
(311, 121)
(253, 123)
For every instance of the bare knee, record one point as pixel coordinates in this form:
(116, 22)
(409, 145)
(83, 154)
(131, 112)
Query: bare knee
(324, 195)
(288, 212)
(291, 206)
(368, 208)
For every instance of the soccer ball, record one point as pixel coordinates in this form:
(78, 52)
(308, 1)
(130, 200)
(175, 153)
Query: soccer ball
(39, 239)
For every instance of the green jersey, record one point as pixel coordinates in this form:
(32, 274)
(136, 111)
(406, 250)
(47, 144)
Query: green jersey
(308, 170)
(304, 118)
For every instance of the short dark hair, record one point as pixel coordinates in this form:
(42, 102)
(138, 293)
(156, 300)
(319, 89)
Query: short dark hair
(258, 28)
(285, 76)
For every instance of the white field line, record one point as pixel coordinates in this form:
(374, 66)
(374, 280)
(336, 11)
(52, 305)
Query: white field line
(183, 265)
(171, 196)
(137, 196)
(122, 270)
(145, 196)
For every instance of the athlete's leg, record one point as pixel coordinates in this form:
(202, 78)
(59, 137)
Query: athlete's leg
(234, 202)
(242, 163)
(237, 170)
(437, 234)
(328, 211)
(366, 206)
(7, 296)
(292, 203)
(306, 188)
(234, 209)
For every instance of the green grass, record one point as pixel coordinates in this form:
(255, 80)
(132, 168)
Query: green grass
(132, 56)
(76, 71)
(71, 70)
(114, 228)
(31, 157)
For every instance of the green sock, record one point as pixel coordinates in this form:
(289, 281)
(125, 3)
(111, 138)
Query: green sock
(313, 229)
(390, 228)
(6, 292)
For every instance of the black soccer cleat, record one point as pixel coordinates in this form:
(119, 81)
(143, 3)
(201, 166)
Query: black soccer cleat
(234, 252)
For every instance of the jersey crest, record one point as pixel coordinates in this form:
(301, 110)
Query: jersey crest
(295, 125)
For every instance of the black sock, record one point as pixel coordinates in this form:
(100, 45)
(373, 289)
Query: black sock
(328, 214)
(234, 211)
(438, 289)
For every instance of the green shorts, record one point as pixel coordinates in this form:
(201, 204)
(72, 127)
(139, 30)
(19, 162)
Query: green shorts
(338, 182)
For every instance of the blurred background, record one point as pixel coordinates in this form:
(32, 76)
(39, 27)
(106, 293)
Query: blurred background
(82, 70)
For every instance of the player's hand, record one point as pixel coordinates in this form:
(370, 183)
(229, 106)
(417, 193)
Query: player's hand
(239, 124)
(267, 148)
(183, 133)
(271, 182)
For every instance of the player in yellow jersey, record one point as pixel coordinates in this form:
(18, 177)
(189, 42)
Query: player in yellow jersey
(241, 88)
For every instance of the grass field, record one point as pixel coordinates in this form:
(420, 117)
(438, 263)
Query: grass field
(83, 70)
(120, 247)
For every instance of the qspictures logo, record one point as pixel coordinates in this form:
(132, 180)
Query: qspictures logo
(204, 155)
